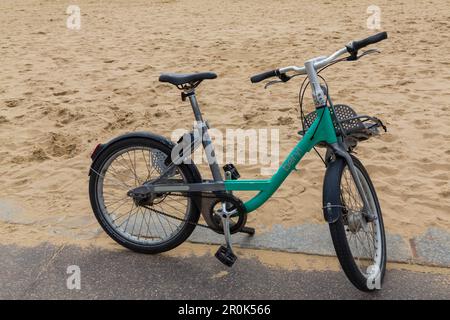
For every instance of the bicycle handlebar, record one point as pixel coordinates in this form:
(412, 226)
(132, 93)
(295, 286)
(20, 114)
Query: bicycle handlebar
(262, 76)
(320, 62)
(354, 46)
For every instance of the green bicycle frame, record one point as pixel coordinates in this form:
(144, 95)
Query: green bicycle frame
(322, 130)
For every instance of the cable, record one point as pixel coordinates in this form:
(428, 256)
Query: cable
(320, 156)
(324, 106)
(303, 88)
(302, 92)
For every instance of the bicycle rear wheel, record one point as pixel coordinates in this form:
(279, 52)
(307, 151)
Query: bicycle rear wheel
(359, 242)
(125, 165)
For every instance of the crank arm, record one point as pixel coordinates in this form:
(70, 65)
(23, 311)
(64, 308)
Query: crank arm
(226, 231)
(225, 254)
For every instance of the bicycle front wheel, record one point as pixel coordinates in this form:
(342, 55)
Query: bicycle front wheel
(359, 240)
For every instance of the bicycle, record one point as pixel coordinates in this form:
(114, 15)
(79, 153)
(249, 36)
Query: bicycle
(148, 197)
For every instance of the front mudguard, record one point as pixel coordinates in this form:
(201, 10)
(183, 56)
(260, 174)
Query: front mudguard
(140, 134)
(332, 206)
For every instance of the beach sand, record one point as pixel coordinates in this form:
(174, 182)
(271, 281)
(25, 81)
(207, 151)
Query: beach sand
(63, 91)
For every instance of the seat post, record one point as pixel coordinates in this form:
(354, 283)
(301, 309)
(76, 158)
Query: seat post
(206, 139)
(194, 104)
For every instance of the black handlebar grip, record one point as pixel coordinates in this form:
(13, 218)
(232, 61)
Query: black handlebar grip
(356, 45)
(262, 76)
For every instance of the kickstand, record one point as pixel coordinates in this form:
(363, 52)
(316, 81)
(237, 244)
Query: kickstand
(225, 253)
(248, 230)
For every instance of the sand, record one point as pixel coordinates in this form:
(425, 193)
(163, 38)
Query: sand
(63, 91)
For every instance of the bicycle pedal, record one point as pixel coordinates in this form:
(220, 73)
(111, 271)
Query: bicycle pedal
(226, 256)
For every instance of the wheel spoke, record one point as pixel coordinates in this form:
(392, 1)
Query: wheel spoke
(361, 235)
(125, 170)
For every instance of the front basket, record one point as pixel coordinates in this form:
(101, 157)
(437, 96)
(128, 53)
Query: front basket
(356, 128)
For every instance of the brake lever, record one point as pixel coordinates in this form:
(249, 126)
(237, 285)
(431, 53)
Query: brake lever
(268, 84)
(283, 78)
(370, 51)
(354, 55)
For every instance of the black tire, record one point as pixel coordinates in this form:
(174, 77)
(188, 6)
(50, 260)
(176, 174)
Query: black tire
(332, 194)
(184, 170)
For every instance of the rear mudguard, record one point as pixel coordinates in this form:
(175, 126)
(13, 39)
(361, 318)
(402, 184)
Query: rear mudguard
(332, 208)
(146, 135)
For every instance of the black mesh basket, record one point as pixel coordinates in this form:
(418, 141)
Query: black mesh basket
(356, 128)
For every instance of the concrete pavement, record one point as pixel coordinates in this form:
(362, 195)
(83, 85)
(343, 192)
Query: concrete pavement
(41, 273)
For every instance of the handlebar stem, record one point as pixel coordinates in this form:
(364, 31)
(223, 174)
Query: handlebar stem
(317, 92)
(310, 68)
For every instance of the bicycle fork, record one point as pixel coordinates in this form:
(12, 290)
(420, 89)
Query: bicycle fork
(340, 151)
(320, 97)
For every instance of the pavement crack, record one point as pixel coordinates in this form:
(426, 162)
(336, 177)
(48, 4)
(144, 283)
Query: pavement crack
(412, 244)
(42, 270)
